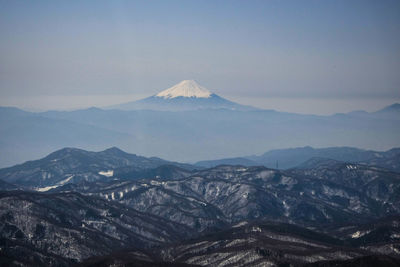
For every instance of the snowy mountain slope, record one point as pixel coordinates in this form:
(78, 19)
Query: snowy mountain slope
(326, 191)
(260, 244)
(227, 194)
(238, 215)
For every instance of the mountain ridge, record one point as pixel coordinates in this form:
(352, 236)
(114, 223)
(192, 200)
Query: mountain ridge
(294, 157)
(75, 165)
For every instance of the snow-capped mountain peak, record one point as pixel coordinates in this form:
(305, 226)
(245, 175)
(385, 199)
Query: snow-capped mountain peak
(186, 88)
(186, 95)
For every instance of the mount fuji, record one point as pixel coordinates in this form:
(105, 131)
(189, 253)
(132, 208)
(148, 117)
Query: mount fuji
(186, 95)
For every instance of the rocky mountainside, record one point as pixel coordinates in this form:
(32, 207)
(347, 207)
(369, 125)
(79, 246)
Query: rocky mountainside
(4, 186)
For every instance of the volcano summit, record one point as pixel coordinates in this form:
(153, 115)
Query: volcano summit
(186, 95)
(186, 88)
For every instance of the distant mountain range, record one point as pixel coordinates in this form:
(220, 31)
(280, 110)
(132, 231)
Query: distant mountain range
(190, 135)
(189, 123)
(293, 157)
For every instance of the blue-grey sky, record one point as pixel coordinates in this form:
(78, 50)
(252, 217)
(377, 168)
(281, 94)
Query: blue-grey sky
(302, 56)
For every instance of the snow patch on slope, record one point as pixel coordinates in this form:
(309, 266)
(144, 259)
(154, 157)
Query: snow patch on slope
(47, 188)
(359, 234)
(109, 173)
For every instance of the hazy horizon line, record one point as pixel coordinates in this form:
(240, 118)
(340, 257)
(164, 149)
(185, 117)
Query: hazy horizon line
(299, 105)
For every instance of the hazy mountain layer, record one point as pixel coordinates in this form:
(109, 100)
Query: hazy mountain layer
(189, 135)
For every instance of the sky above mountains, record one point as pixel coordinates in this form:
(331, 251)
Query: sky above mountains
(300, 56)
